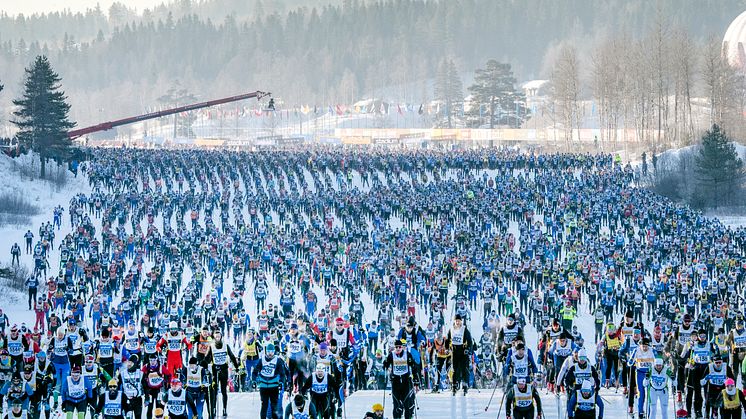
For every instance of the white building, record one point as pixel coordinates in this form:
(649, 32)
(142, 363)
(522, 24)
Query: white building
(734, 42)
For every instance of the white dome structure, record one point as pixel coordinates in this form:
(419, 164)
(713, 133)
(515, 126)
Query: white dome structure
(734, 42)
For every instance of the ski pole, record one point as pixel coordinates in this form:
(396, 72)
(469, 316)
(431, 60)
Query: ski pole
(500, 410)
(384, 396)
(497, 383)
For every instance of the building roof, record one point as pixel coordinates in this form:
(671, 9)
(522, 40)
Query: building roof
(734, 42)
(534, 84)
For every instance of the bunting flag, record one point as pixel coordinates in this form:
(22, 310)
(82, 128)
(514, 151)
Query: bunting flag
(420, 111)
(331, 110)
(339, 110)
(315, 109)
(399, 109)
(383, 108)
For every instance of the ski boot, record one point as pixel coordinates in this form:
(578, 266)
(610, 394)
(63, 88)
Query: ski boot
(225, 413)
(466, 388)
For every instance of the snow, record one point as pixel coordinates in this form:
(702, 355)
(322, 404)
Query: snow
(43, 194)
(733, 221)
(436, 406)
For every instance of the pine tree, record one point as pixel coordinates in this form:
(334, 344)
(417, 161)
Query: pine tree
(495, 97)
(175, 96)
(449, 90)
(42, 117)
(718, 167)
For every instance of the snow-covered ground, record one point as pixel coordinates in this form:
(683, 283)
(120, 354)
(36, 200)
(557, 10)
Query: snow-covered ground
(45, 196)
(42, 194)
(441, 406)
(733, 221)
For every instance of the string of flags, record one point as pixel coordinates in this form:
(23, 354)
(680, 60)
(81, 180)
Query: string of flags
(381, 108)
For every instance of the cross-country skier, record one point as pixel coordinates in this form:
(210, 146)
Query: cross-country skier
(522, 401)
(403, 388)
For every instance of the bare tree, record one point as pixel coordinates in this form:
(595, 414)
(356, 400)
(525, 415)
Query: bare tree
(607, 84)
(684, 68)
(724, 87)
(660, 63)
(638, 89)
(566, 88)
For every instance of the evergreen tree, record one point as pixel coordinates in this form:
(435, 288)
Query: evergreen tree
(718, 167)
(175, 96)
(449, 90)
(42, 117)
(495, 99)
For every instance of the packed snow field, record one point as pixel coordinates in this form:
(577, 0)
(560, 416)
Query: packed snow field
(479, 234)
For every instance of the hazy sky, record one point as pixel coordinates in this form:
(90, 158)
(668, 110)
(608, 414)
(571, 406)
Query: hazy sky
(13, 7)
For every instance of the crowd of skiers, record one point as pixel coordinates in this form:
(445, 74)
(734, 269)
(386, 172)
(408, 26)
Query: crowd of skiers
(184, 275)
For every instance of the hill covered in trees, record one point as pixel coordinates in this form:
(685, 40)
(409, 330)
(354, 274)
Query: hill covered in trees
(116, 62)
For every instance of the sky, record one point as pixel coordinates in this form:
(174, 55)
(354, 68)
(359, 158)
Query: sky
(13, 7)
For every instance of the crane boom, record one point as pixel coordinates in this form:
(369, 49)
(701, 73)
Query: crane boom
(119, 122)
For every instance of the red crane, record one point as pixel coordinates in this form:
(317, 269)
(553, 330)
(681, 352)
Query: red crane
(111, 124)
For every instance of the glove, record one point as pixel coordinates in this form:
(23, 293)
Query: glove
(339, 412)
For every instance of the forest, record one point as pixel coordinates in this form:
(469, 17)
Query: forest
(115, 62)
